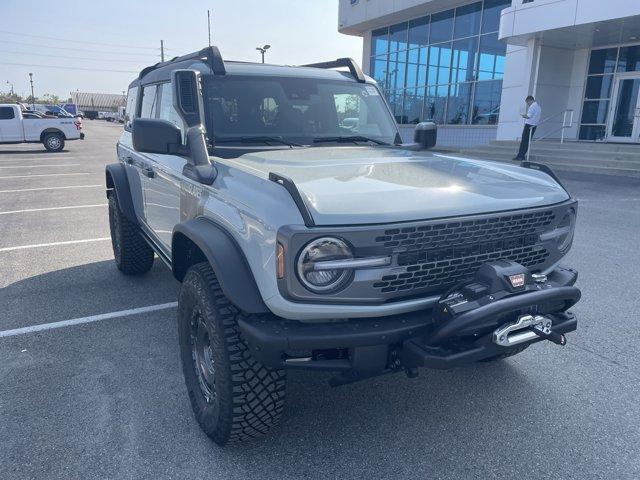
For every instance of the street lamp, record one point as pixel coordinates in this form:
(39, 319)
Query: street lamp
(9, 83)
(33, 99)
(263, 50)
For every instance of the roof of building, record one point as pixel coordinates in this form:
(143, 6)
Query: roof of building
(97, 101)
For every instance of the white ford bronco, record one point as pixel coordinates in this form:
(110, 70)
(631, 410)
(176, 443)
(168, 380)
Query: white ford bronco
(306, 235)
(16, 127)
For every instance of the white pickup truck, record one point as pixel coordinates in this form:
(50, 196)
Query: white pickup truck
(16, 127)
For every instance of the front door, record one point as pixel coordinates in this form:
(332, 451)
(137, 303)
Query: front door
(624, 120)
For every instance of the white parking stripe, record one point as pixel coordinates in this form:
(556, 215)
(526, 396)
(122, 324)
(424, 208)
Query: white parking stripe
(53, 208)
(43, 166)
(47, 175)
(82, 320)
(53, 244)
(50, 188)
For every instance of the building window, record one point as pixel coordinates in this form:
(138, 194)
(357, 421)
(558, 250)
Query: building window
(433, 67)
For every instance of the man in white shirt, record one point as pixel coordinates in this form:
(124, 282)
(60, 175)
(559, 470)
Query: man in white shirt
(531, 121)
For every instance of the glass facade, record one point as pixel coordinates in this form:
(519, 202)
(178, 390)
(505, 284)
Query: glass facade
(446, 67)
(603, 65)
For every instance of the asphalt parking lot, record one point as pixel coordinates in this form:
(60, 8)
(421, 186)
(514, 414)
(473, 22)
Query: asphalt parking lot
(106, 399)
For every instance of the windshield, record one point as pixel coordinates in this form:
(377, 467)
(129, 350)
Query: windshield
(296, 110)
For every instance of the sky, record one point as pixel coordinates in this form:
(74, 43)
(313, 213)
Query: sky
(103, 44)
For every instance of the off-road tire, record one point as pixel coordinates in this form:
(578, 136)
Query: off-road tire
(248, 397)
(508, 353)
(132, 253)
(53, 142)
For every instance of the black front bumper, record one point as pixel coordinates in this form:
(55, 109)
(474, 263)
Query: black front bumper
(409, 340)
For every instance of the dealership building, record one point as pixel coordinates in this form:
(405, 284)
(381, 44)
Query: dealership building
(468, 65)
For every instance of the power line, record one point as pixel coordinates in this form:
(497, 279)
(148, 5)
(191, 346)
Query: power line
(75, 40)
(68, 68)
(74, 58)
(147, 55)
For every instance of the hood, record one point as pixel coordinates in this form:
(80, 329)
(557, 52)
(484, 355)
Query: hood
(368, 185)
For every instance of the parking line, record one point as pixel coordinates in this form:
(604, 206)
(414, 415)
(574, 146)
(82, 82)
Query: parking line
(43, 166)
(50, 188)
(83, 320)
(53, 244)
(71, 207)
(47, 175)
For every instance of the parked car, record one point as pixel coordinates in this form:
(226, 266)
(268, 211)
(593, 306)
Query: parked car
(16, 127)
(304, 243)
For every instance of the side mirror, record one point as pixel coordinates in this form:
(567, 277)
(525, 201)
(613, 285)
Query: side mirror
(152, 135)
(425, 135)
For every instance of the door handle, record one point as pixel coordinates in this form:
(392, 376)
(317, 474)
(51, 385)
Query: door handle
(148, 172)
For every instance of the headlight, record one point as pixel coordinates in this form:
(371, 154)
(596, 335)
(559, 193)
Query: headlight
(313, 275)
(562, 234)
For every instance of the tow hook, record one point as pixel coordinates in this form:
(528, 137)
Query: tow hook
(526, 329)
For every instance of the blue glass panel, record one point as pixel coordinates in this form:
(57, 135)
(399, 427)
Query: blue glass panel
(417, 67)
(397, 70)
(486, 103)
(398, 37)
(441, 27)
(595, 111)
(491, 14)
(593, 132)
(629, 60)
(436, 103)
(395, 102)
(458, 106)
(492, 57)
(439, 64)
(465, 60)
(380, 41)
(379, 70)
(467, 21)
(419, 32)
(598, 86)
(413, 105)
(603, 60)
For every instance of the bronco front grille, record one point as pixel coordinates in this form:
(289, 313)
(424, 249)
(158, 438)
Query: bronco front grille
(433, 257)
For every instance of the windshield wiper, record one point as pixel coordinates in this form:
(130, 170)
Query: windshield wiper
(348, 139)
(257, 139)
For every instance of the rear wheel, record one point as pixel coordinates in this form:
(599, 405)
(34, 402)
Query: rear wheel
(132, 253)
(234, 397)
(54, 142)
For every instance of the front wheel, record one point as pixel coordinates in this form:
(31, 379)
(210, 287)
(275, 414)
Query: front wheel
(234, 397)
(53, 142)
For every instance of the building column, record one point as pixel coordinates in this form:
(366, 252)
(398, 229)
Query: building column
(520, 79)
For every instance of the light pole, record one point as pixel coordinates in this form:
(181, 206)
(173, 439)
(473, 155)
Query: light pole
(263, 50)
(33, 99)
(9, 83)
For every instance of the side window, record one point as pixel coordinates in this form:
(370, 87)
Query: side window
(130, 109)
(7, 113)
(167, 112)
(149, 101)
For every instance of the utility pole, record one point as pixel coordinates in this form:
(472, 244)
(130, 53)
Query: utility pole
(209, 25)
(162, 50)
(33, 98)
(263, 50)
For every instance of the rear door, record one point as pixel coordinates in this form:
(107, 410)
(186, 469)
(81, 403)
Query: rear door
(10, 124)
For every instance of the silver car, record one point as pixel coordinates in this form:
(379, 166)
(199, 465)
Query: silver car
(307, 236)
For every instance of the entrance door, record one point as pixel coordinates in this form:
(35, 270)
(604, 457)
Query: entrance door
(624, 121)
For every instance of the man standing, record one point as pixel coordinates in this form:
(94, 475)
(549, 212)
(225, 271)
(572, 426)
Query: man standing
(531, 121)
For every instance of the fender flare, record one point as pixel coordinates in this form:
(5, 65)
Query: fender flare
(225, 257)
(116, 179)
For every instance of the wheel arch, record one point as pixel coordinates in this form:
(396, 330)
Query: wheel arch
(199, 240)
(51, 130)
(116, 179)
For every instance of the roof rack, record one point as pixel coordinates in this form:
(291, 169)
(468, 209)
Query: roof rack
(211, 55)
(350, 63)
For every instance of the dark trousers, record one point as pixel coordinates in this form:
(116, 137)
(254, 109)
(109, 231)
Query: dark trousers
(524, 141)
